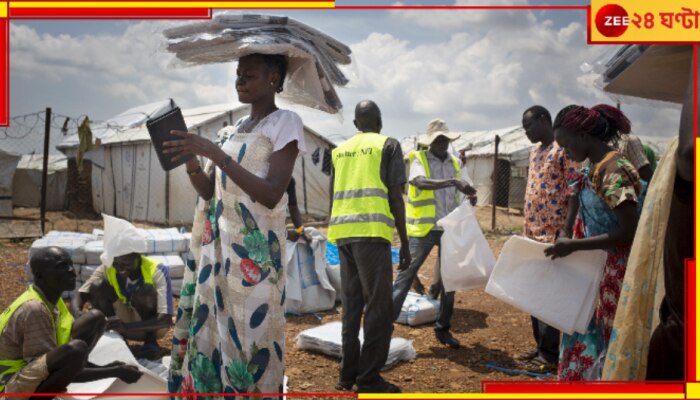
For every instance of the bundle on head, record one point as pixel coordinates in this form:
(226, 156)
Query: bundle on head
(604, 122)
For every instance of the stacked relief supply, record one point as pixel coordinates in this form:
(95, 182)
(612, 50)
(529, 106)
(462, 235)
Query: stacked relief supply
(167, 246)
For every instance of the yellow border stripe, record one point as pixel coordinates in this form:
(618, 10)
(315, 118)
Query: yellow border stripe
(508, 396)
(3, 9)
(172, 4)
(692, 389)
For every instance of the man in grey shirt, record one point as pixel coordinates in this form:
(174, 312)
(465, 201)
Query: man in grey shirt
(434, 190)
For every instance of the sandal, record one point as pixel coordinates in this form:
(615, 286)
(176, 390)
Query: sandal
(539, 365)
(528, 355)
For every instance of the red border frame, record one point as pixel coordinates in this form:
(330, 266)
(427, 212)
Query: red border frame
(504, 387)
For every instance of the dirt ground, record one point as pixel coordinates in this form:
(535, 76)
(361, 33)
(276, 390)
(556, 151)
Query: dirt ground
(489, 330)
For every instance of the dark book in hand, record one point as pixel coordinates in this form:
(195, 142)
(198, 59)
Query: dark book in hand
(159, 128)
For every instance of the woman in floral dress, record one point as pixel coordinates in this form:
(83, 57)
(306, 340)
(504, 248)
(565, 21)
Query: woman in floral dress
(608, 200)
(229, 334)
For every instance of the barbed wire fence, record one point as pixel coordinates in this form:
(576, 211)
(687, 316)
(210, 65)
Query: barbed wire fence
(29, 144)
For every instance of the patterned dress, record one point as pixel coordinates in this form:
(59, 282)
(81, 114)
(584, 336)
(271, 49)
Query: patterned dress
(545, 194)
(229, 334)
(612, 182)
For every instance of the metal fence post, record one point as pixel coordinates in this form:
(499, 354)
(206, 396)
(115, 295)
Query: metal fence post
(494, 184)
(44, 174)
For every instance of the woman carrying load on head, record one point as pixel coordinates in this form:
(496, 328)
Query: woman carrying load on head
(229, 334)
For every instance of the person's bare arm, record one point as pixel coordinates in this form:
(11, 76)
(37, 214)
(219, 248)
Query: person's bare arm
(268, 190)
(622, 236)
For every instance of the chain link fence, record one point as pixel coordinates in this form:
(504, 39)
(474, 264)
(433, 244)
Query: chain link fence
(33, 172)
(508, 183)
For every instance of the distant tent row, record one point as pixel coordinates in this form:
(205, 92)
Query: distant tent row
(128, 181)
(20, 182)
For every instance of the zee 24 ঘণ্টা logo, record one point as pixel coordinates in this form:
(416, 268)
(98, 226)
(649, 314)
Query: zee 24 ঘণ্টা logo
(612, 20)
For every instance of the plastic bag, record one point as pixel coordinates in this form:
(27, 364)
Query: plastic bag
(466, 260)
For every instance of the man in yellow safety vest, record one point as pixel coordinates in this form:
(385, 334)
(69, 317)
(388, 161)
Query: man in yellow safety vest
(133, 291)
(433, 192)
(42, 349)
(367, 205)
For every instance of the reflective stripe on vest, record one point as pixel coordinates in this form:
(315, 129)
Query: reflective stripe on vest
(63, 329)
(148, 270)
(360, 198)
(421, 207)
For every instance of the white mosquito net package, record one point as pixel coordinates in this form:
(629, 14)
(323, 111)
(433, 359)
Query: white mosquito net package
(313, 56)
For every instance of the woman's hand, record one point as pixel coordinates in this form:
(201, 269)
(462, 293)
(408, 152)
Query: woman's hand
(190, 144)
(561, 248)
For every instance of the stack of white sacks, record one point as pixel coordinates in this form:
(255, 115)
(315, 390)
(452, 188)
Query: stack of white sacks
(168, 246)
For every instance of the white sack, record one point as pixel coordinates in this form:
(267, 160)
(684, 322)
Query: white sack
(418, 310)
(73, 242)
(93, 251)
(86, 271)
(164, 241)
(333, 272)
(112, 347)
(466, 260)
(176, 286)
(327, 339)
(562, 292)
(308, 288)
(174, 262)
(120, 238)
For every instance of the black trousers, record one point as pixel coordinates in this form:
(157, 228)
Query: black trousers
(366, 275)
(547, 339)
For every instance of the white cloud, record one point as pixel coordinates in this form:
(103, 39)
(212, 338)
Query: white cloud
(476, 69)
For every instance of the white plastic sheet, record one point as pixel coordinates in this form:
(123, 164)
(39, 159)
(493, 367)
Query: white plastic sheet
(560, 292)
(327, 339)
(466, 260)
(111, 347)
(418, 309)
(308, 287)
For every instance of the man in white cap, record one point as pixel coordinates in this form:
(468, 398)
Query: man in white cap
(433, 192)
(133, 291)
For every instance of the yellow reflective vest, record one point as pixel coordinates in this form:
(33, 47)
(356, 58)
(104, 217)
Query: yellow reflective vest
(360, 198)
(62, 328)
(421, 211)
(148, 269)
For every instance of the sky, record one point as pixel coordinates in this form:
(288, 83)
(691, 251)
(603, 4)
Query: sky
(476, 69)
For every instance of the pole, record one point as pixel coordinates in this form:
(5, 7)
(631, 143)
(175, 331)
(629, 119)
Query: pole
(494, 185)
(45, 171)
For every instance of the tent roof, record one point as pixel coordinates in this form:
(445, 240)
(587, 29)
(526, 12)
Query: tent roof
(57, 162)
(130, 126)
(482, 143)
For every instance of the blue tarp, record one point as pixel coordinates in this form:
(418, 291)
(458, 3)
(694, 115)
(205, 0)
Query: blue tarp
(332, 254)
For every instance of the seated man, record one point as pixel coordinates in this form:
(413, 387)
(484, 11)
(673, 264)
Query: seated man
(133, 291)
(42, 349)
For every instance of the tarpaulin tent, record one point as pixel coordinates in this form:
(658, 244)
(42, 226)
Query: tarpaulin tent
(128, 181)
(8, 165)
(26, 185)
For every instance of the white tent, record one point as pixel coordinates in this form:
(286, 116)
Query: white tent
(26, 185)
(479, 148)
(8, 165)
(128, 181)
